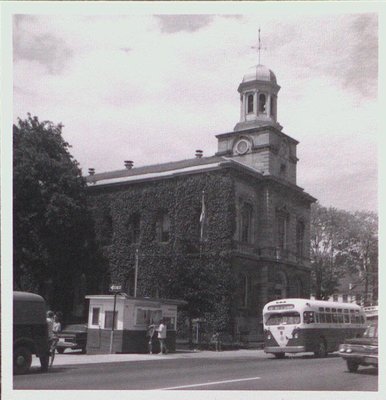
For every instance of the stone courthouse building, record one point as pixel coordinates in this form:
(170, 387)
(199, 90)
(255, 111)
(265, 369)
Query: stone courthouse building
(234, 226)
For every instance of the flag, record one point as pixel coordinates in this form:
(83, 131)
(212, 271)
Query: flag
(203, 219)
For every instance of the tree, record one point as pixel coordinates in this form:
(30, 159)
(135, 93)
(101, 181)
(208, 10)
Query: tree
(344, 244)
(329, 249)
(364, 253)
(52, 231)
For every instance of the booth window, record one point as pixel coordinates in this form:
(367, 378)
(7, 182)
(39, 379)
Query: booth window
(95, 316)
(109, 319)
(262, 101)
(250, 103)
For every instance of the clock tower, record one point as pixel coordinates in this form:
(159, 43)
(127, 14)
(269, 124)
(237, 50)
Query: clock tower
(257, 139)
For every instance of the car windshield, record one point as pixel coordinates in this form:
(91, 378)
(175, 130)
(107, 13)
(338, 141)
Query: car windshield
(75, 327)
(288, 318)
(371, 331)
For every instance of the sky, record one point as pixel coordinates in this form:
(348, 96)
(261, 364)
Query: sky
(154, 87)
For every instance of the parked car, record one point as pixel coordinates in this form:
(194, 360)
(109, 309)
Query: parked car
(30, 332)
(361, 351)
(73, 336)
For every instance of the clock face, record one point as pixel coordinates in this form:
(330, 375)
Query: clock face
(242, 146)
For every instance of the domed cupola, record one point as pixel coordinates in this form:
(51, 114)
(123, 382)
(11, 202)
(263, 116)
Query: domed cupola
(258, 99)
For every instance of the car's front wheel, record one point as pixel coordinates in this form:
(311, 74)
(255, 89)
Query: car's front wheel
(60, 350)
(279, 355)
(352, 366)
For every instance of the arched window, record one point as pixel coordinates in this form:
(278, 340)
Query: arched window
(300, 239)
(262, 102)
(298, 288)
(281, 229)
(244, 290)
(133, 228)
(246, 223)
(250, 103)
(163, 227)
(273, 106)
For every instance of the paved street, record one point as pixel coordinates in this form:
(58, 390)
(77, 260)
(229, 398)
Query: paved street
(233, 370)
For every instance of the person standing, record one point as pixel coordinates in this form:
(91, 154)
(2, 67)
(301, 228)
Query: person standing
(162, 337)
(150, 334)
(57, 326)
(50, 325)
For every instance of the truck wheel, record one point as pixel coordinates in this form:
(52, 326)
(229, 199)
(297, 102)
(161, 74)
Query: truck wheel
(60, 350)
(352, 366)
(22, 360)
(279, 355)
(44, 360)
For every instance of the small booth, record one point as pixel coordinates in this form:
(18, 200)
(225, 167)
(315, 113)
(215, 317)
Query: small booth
(118, 323)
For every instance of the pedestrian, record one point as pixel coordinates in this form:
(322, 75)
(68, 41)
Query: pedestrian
(162, 337)
(215, 341)
(150, 334)
(50, 325)
(57, 326)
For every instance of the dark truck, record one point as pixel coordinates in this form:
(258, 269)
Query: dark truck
(361, 351)
(30, 333)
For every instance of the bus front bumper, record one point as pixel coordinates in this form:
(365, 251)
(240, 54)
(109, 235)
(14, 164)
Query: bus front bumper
(288, 349)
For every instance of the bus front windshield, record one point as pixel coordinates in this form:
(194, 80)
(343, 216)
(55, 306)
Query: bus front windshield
(287, 318)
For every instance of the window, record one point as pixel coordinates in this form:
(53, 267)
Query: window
(345, 298)
(309, 317)
(246, 223)
(335, 297)
(273, 106)
(244, 291)
(95, 316)
(147, 316)
(300, 239)
(163, 227)
(107, 228)
(249, 103)
(290, 318)
(262, 103)
(133, 229)
(283, 170)
(282, 222)
(109, 319)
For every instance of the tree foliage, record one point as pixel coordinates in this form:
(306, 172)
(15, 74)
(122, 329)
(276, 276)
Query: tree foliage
(342, 244)
(52, 230)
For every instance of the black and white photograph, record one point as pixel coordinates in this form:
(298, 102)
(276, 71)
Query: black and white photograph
(190, 199)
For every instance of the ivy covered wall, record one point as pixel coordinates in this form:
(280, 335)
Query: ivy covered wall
(183, 267)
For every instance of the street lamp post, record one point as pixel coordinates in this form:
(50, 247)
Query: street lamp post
(116, 289)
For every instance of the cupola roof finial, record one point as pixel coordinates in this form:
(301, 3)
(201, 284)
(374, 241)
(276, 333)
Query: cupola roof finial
(258, 48)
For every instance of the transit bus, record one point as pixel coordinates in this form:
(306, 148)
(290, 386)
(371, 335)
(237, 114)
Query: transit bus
(303, 325)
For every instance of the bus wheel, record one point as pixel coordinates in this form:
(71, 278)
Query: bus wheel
(321, 352)
(22, 360)
(279, 355)
(352, 366)
(60, 350)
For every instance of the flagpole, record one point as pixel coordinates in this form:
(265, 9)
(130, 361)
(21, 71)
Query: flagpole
(136, 272)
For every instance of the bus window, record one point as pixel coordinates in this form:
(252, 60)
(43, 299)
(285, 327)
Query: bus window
(328, 309)
(362, 319)
(346, 319)
(328, 318)
(317, 317)
(322, 317)
(309, 317)
(334, 318)
(340, 318)
(291, 318)
(321, 309)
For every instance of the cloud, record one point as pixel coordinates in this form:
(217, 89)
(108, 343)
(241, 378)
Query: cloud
(184, 23)
(39, 46)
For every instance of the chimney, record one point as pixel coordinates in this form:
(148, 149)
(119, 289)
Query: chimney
(199, 153)
(91, 171)
(129, 164)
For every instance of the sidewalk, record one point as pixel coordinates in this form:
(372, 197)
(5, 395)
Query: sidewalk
(75, 358)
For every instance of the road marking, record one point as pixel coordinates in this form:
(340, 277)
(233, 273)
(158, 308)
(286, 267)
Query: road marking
(208, 383)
